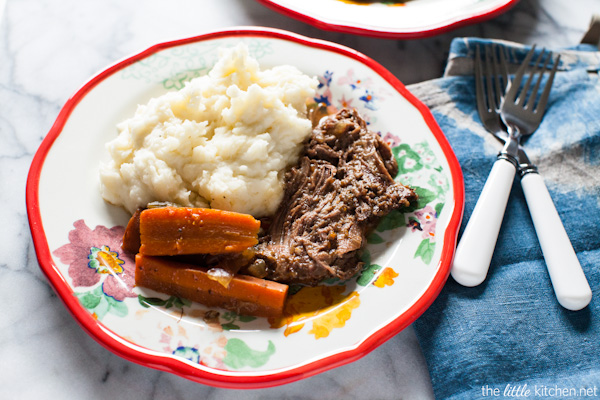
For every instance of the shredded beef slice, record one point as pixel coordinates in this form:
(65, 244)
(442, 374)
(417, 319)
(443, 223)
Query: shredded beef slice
(337, 193)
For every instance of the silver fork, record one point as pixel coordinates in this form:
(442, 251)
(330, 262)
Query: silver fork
(477, 244)
(569, 282)
(522, 117)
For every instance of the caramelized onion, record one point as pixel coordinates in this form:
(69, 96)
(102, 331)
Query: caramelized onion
(220, 275)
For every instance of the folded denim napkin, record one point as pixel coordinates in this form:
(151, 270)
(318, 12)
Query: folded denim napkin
(510, 336)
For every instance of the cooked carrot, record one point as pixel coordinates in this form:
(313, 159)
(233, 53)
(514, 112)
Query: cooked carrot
(131, 238)
(170, 231)
(246, 295)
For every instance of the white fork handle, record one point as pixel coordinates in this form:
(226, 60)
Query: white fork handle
(476, 246)
(570, 285)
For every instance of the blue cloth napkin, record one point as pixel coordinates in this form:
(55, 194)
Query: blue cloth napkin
(509, 336)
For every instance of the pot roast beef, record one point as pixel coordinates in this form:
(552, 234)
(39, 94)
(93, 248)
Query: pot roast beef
(342, 186)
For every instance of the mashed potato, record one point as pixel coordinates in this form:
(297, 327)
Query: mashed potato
(223, 141)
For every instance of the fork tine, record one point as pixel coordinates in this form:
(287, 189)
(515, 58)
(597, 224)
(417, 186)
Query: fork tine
(498, 90)
(503, 73)
(531, 102)
(546, 93)
(511, 94)
(489, 77)
(504, 70)
(523, 121)
(535, 69)
(479, 82)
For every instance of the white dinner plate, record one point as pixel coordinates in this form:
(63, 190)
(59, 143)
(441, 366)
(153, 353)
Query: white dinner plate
(77, 235)
(390, 19)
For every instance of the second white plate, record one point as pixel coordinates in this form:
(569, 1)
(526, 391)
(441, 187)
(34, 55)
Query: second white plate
(411, 19)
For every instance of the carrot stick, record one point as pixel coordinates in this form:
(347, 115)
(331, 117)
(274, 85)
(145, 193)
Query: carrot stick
(245, 295)
(170, 231)
(131, 237)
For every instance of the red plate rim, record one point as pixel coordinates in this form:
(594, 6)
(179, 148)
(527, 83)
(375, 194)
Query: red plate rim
(382, 33)
(136, 353)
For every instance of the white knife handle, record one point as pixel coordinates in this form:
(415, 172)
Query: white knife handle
(476, 246)
(570, 285)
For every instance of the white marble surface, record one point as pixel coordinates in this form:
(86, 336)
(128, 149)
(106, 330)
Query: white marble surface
(48, 50)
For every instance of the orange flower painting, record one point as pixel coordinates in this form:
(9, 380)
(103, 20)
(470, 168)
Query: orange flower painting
(386, 278)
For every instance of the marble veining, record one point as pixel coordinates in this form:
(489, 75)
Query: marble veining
(48, 50)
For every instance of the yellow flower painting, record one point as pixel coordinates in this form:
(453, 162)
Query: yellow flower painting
(326, 307)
